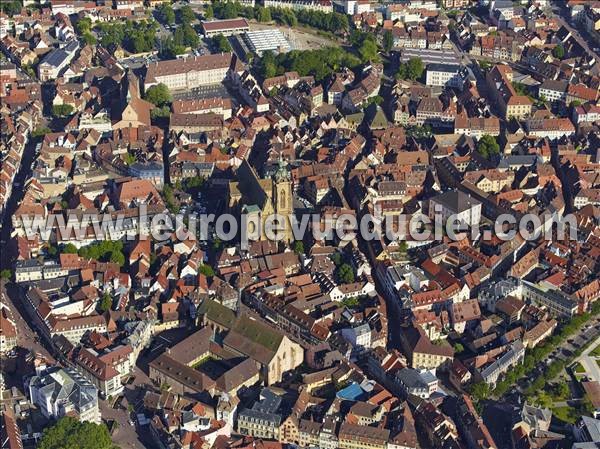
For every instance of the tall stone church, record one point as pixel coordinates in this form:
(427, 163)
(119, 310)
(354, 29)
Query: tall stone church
(257, 198)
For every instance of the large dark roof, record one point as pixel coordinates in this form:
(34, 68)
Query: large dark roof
(456, 201)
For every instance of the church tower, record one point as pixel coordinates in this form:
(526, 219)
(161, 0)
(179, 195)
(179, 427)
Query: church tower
(282, 197)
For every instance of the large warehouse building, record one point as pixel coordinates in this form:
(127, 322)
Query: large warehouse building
(227, 27)
(264, 40)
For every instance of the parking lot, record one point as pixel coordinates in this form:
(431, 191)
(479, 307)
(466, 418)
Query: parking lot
(565, 352)
(589, 361)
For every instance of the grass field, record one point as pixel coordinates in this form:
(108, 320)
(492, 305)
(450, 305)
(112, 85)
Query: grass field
(568, 415)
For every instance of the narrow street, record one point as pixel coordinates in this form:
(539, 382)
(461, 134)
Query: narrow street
(24, 173)
(26, 336)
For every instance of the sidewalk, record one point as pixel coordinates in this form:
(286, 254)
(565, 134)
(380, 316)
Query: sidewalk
(589, 363)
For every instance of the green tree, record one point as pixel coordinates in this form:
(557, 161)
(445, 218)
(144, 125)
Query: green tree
(209, 12)
(170, 200)
(5, 274)
(368, 51)
(357, 37)
(11, 7)
(267, 66)
(415, 68)
(299, 247)
(487, 146)
(537, 385)
(485, 65)
(40, 132)
(377, 99)
(351, 303)
(480, 391)
(168, 49)
(226, 9)
(186, 36)
(543, 400)
(217, 244)
(458, 348)
(339, 23)
(160, 113)
(336, 258)
(502, 387)
(330, 22)
(264, 15)
(29, 70)
(166, 14)
(284, 16)
(411, 70)
(135, 36)
(207, 270)
(104, 251)
(319, 63)
(89, 39)
(105, 303)
(562, 390)
(388, 41)
(558, 52)
(193, 184)
(129, 158)
(541, 102)
(83, 25)
(69, 248)
(62, 110)
(69, 433)
(345, 274)
(520, 88)
(221, 43)
(187, 14)
(158, 95)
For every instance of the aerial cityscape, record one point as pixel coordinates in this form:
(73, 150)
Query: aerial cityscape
(293, 224)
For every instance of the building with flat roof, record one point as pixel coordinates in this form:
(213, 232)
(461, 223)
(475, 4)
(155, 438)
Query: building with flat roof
(267, 40)
(226, 27)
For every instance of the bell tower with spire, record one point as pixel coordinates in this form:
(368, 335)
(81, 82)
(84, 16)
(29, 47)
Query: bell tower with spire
(282, 196)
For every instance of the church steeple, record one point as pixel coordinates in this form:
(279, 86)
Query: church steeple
(283, 202)
(282, 174)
